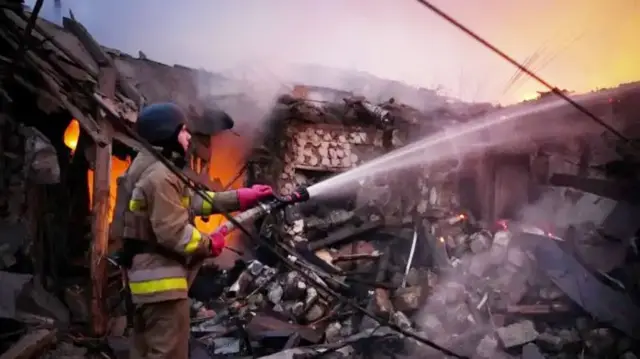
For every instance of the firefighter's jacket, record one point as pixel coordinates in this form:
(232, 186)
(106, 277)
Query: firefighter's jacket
(158, 210)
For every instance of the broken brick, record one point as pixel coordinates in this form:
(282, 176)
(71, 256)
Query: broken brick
(408, 299)
(517, 334)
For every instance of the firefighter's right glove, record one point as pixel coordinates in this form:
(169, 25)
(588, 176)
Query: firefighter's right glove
(216, 244)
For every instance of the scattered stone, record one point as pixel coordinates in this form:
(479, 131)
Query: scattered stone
(407, 299)
(401, 320)
(479, 242)
(517, 334)
(550, 293)
(275, 293)
(332, 333)
(487, 347)
(479, 264)
(454, 292)
(432, 324)
(382, 304)
(600, 341)
(347, 328)
(314, 313)
(531, 351)
(498, 251)
(413, 277)
(517, 257)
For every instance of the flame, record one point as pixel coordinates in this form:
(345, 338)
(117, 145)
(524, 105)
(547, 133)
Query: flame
(118, 167)
(71, 134)
(226, 161)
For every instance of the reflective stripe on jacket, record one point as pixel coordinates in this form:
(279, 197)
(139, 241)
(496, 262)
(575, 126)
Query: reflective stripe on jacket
(158, 211)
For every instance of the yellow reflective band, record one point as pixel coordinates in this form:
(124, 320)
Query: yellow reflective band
(193, 242)
(207, 208)
(186, 201)
(158, 285)
(136, 205)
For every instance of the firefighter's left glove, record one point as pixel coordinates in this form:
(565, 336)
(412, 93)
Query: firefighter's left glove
(249, 197)
(216, 241)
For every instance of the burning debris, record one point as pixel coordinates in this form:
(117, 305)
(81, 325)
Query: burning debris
(405, 263)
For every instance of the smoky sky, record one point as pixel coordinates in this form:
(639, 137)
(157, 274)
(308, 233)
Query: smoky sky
(579, 45)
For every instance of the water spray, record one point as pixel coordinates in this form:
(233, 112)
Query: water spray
(465, 138)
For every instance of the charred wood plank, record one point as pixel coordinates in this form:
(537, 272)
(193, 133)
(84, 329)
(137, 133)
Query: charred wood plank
(101, 57)
(20, 20)
(340, 235)
(598, 299)
(356, 256)
(263, 322)
(533, 309)
(57, 92)
(31, 345)
(87, 41)
(101, 200)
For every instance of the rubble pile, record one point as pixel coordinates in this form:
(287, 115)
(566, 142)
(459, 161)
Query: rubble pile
(496, 298)
(500, 297)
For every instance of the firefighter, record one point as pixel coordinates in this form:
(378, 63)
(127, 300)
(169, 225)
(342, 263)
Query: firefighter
(159, 242)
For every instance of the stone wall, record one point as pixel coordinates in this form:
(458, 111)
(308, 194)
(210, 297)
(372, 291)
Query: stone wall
(326, 148)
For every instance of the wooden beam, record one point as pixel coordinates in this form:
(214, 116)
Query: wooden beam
(101, 203)
(101, 57)
(31, 345)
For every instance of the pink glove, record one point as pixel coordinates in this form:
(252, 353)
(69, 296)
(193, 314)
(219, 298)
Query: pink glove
(217, 241)
(249, 197)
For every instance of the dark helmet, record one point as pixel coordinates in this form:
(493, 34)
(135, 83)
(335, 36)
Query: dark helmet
(160, 123)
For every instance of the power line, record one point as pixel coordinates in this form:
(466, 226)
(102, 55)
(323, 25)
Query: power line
(522, 68)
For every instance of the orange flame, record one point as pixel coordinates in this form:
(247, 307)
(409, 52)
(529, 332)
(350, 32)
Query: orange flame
(226, 161)
(71, 135)
(118, 167)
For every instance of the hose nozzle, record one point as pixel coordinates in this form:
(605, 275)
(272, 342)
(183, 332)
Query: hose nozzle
(300, 195)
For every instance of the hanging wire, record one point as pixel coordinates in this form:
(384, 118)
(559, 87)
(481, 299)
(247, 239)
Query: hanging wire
(522, 68)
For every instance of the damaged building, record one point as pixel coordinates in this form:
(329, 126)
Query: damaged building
(488, 253)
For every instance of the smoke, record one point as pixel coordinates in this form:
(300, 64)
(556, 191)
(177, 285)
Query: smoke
(261, 84)
(561, 208)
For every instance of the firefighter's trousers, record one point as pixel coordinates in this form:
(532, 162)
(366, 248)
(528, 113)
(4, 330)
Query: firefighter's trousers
(161, 330)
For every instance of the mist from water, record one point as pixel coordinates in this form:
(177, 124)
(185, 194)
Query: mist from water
(503, 129)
